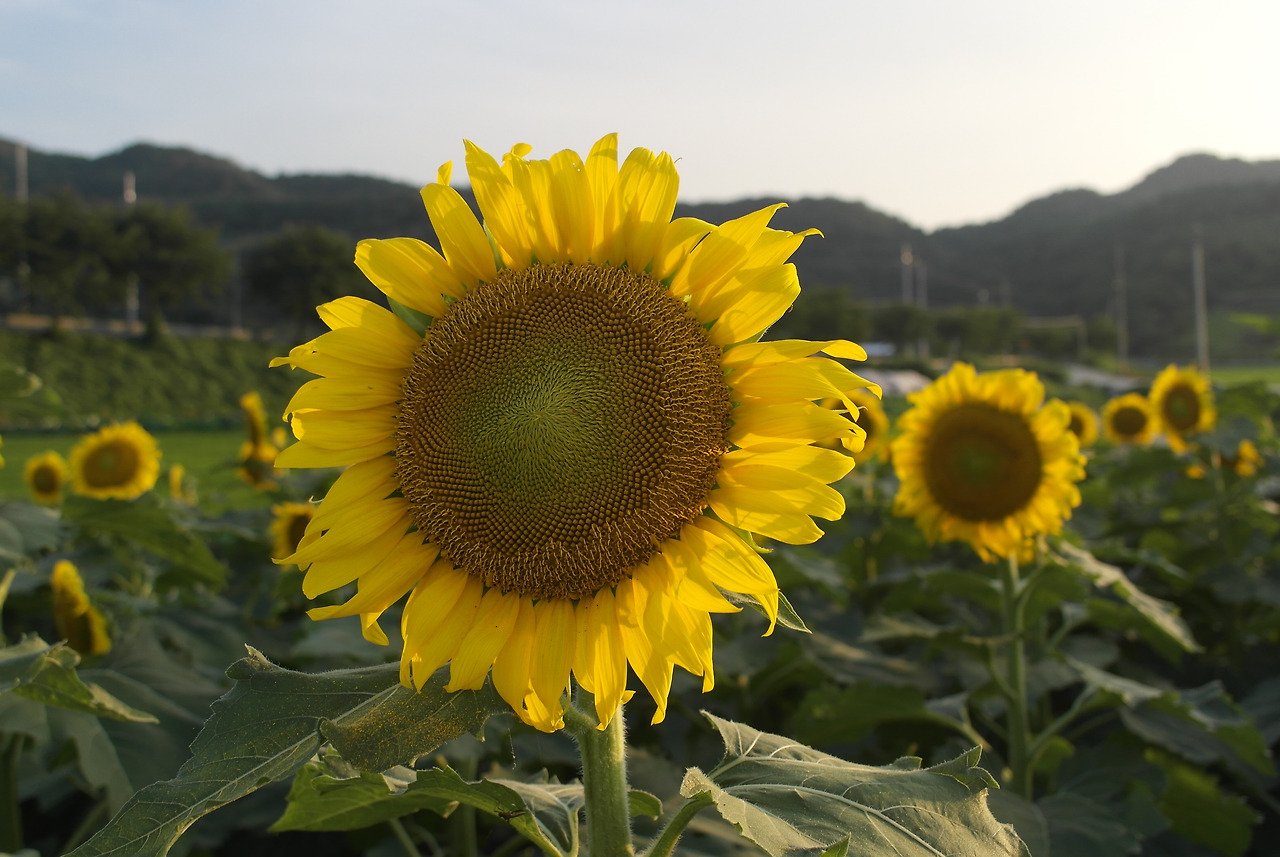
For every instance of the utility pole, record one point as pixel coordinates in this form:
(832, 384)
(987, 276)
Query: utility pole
(131, 300)
(1197, 291)
(20, 171)
(906, 258)
(922, 302)
(1122, 310)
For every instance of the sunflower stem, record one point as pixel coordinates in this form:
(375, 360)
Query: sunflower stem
(1018, 729)
(666, 841)
(604, 778)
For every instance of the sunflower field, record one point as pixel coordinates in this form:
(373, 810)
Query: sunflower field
(535, 570)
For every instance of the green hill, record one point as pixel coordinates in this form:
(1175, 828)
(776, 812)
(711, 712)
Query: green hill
(1053, 256)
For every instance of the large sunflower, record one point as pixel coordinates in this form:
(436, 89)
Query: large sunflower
(981, 461)
(1084, 423)
(45, 475)
(1182, 405)
(1127, 420)
(118, 461)
(565, 467)
(871, 419)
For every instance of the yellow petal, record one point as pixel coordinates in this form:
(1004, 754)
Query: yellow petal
(692, 585)
(653, 670)
(602, 172)
(573, 204)
(755, 354)
(754, 309)
(344, 394)
(825, 465)
(409, 271)
(680, 237)
(327, 574)
(777, 489)
(387, 581)
(439, 613)
(461, 237)
(739, 507)
(552, 660)
(772, 426)
(602, 662)
(511, 668)
(653, 184)
(718, 256)
(308, 455)
(344, 429)
(504, 211)
(367, 521)
(366, 346)
(484, 641)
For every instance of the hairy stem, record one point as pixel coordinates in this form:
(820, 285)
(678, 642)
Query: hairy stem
(1018, 729)
(604, 778)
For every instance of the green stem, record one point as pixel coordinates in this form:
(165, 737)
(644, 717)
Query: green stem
(406, 841)
(666, 841)
(10, 813)
(1019, 729)
(604, 778)
(462, 821)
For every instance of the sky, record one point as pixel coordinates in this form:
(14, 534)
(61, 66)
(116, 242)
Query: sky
(941, 113)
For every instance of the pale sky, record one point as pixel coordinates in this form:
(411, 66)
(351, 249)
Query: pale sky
(941, 113)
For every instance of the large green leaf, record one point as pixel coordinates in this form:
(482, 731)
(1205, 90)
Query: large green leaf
(26, 530)
(832, 715)
(1202, 725)
(792, 800)
(1158, 617)
(146, 523)
(269, 725)
(327, 797)
(47, 674)
(1200, 811)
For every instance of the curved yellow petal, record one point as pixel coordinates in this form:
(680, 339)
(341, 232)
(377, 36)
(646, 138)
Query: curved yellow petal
(484, 641)
(504, 210)
(461, 237)
(410, 272)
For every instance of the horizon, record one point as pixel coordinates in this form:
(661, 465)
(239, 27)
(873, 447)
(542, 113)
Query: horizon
(937, 115)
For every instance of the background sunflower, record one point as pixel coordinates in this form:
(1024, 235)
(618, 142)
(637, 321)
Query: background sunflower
(1127, 419)
(979, 460)
(45, 475)
(116, 462)
(1182, 404)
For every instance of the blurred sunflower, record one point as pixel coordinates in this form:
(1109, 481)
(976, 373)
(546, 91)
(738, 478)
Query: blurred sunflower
(870, 417)
(181, 487)
(1181, 405)
(288, 525)
(45, 475)
(1127, 420)
(980, 460)
(538, 468)
(78, 622)
(256, 463)
(1084, 423)
(118, 461)
(1246, 461)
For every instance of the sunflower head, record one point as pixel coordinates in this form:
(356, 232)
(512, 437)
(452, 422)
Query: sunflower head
(45, 475)
(256, 464)
(1084, 423)
(561, 454)
(1182, 405)
(871, 421)
(78, 622)
(981, 460)
(1246, 460)
(116, 462)
(1127, 419)
(289, 523)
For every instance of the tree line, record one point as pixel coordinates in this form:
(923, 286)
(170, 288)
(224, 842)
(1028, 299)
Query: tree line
(64, 257)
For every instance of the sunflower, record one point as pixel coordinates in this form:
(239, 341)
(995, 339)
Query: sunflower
(45, 474)
(256, 462)
(1084, 423)
(118, 461)
(871, 418)
(78, 622)
(1246, 461)
(288, 525)
(1127, 419)
(1181, 405)
(981, 461)
(563, 453)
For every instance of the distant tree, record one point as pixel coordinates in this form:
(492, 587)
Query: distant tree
(902, 324)
(974, 331)
(301, 268)
(66, 243)
(175, 261)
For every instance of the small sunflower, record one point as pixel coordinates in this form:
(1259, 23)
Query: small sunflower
(1084, 423)
(45, 475)
(1182, 405)
(871, 418)
(981, 461)
(564, 469)
(1246, 461)
(288, 526)
(118, 461)
(181, 488)
(256, 462)
(1127, 420)
(78, 622)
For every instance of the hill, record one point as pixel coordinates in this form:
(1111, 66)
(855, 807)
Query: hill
(1052, 256)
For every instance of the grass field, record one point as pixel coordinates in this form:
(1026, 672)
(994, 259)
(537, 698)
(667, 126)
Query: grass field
(1268, 372)
(208, 456)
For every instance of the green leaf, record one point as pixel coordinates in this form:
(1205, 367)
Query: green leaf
(1199, 810)
(546, 813)
(1025, 817)
(144, 522)
(47, 674)
(831, 715)
(268, 726)
(1080, 827)
(787, 615)
(642, 804)
(27, 530)
(792, 800)
(419, 321)
(1159, 616)
(1202, 725)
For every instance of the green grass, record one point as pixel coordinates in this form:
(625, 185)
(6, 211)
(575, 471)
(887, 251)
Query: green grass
(209, 456)
(1227, 375)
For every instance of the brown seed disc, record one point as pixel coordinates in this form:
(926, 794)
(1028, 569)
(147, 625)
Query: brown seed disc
(559, 422)
(110, 464)
(1181, 408)
(981, 463)
(1129, 422)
